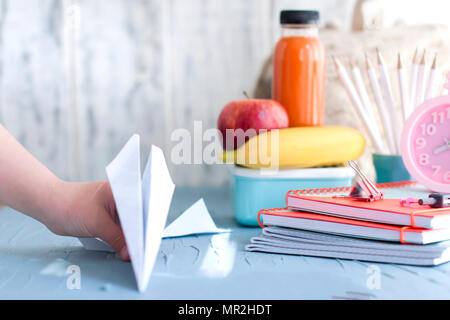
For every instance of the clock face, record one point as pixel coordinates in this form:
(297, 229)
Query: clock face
(426, 144)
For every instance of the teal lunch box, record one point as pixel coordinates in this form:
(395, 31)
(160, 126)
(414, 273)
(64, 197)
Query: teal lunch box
(258, 189)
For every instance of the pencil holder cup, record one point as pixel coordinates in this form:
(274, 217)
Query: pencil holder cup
(390, 168)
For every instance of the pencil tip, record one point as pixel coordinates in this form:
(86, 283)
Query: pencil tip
(399, 63)
(415, 56)
(368, 63)
(352, 63)
(379, 58)
(335, 61)
(434, 61)
(422, 61)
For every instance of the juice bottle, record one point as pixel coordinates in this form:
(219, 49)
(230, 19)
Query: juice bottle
(299, 69)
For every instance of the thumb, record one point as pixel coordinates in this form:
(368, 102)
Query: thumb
(112, 234)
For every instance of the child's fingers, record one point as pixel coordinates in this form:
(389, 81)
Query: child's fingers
(112, 234)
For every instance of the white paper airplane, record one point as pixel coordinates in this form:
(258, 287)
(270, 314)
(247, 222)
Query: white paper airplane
(143, 206)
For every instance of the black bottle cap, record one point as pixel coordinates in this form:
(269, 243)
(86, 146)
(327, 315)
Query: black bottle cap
(299, 17)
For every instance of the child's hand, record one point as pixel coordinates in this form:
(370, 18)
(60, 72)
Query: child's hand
(69, 209)
(87, 210)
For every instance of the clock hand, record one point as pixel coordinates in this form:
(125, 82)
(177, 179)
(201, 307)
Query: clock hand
(443, 148)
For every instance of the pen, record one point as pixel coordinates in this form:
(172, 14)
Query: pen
(436, 200)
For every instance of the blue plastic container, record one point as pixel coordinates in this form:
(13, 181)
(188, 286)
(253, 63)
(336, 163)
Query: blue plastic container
(255, 189)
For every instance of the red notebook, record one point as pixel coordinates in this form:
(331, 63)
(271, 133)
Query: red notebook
(285, 217)
(388, 211)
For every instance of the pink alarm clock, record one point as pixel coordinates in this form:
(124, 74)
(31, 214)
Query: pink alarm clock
(426, 143)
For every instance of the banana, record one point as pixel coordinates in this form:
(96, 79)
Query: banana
(304, 147)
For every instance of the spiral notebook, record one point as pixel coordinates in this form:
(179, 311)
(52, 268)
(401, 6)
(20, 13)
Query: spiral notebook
(388, 211)
(306, 243)
(287, 218)
(344, 223)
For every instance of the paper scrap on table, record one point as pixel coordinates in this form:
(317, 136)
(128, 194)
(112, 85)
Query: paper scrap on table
(143, 205)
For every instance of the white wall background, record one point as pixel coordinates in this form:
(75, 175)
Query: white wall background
(78, 77)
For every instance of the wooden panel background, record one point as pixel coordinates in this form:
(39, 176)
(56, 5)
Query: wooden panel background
(79, 77)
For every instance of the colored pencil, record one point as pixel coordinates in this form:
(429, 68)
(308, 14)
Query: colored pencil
(358, 105)
(403, 88)
(420, 82)
(363, 94)
(413, 83)
(432, 79)
(382, 109)
(389, 98)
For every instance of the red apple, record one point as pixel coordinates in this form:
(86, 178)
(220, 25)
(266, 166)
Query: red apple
(256, 114)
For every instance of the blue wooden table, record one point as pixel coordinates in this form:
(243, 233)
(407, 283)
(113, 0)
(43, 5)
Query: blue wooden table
(34, 264)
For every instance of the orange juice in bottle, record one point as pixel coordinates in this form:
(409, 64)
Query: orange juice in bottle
(299, 69)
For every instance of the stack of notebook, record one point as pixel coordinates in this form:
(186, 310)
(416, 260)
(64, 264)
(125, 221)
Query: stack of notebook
(345, 228)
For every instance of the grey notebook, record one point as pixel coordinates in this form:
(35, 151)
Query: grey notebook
(300, 242)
